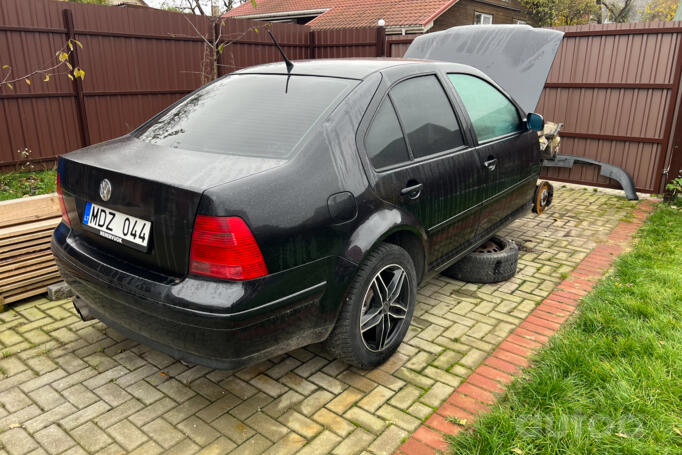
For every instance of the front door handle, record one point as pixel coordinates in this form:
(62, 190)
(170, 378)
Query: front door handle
(491, 164)
(413, 191)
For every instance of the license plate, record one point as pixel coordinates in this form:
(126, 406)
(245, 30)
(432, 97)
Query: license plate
(116, 226)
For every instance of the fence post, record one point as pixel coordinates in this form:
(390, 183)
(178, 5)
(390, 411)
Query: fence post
(311, 44)
(77, 82)
(381, 42)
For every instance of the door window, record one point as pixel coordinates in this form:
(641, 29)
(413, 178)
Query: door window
(427, 117)
(491, 113)
(384, 141)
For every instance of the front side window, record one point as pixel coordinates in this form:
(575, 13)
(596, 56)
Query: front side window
(483, 19)
(384, 141)
(427, 117)
(491, 113)
(249, 115)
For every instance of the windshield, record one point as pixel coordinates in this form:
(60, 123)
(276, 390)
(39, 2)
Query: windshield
(251, 115)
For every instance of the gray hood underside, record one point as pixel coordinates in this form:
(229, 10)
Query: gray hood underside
(517, 57)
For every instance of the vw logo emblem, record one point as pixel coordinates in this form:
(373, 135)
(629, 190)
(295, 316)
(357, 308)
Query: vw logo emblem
(105, 190)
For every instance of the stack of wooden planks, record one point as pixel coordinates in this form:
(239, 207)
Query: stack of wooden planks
(27, 266)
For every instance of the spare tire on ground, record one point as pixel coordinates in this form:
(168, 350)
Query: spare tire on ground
(492, 262)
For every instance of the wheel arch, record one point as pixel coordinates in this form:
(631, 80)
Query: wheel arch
(394, 226)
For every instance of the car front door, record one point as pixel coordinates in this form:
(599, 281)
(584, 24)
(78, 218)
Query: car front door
(507, 150)
(420, 161)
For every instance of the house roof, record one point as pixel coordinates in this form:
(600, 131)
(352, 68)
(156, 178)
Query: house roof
(348, 13)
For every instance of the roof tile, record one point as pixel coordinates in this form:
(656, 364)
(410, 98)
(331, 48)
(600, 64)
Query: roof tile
(353, 13)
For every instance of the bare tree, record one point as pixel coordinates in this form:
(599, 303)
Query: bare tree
(619, 10)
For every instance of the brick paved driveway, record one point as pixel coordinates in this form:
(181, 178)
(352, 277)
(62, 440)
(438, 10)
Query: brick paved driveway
(73, 387)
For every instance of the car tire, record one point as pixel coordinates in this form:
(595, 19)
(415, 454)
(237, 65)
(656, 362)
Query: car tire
(356, 339)
(494, 261)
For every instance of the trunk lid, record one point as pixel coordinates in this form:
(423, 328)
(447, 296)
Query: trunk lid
(158, 184)
(517, 57)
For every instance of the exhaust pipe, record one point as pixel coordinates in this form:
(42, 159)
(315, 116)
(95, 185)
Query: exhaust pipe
(82, 309)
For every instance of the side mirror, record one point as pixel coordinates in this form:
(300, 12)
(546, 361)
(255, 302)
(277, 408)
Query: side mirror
(535, 122)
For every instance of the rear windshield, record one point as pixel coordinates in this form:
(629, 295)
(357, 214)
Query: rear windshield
(252, 115)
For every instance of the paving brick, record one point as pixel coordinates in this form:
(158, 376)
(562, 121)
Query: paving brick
(163, 433)
(42, 380)
(431, 438)
(177, 391)
(198, 430)
(153, 411)
(397, 417)
(288, 445)
(364, 419)
(323, 443)
(233, 428)
(377, 397)
(91, 437)
(220, 446)
(414, 447)
(127, 435)
(118, 413)
(184, 447)
(355, 443)
(300, 424)
(388, 441)
(54, 415)
(143, 391)
(344, 400)
(282, 404)
(54, 439)
(405, 397)
(332, 421)
(267, 426)
(17, 441)
(214, 410)
(254, 404)
(14, 399)
(256, 444)
(314, 402)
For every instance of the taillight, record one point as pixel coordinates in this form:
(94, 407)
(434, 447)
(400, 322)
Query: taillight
(223, 247)
(65, 214)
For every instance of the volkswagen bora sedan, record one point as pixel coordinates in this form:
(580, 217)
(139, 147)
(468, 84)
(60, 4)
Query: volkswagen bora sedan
(268, 211)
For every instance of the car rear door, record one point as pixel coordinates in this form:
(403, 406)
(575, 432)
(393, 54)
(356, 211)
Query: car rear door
(421, 160)
(508, 151)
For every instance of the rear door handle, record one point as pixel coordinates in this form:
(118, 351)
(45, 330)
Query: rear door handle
(413, 191)
(491, 164)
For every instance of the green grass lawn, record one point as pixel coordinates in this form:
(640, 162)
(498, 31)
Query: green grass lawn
(19, 184)
(611, 382)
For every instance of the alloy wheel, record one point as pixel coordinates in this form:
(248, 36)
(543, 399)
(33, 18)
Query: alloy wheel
(384, 307)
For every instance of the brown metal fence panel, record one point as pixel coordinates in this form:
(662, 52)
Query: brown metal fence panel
(247, 43)
(615, 88)
(350, 42)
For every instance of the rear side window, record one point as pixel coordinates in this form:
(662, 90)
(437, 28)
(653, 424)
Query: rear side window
(427, 116)
(384, 141)
(491, 113)
(252, 115)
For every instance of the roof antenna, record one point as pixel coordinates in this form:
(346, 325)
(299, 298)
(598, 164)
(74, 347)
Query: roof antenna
(290, 66)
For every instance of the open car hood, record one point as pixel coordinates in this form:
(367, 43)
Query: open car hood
(517, 57)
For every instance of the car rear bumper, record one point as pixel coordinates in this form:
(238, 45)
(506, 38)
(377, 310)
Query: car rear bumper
(225, 325)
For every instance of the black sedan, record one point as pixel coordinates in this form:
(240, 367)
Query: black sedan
(273, 209)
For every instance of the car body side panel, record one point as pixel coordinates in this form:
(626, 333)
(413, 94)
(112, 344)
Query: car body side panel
(513, 181)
